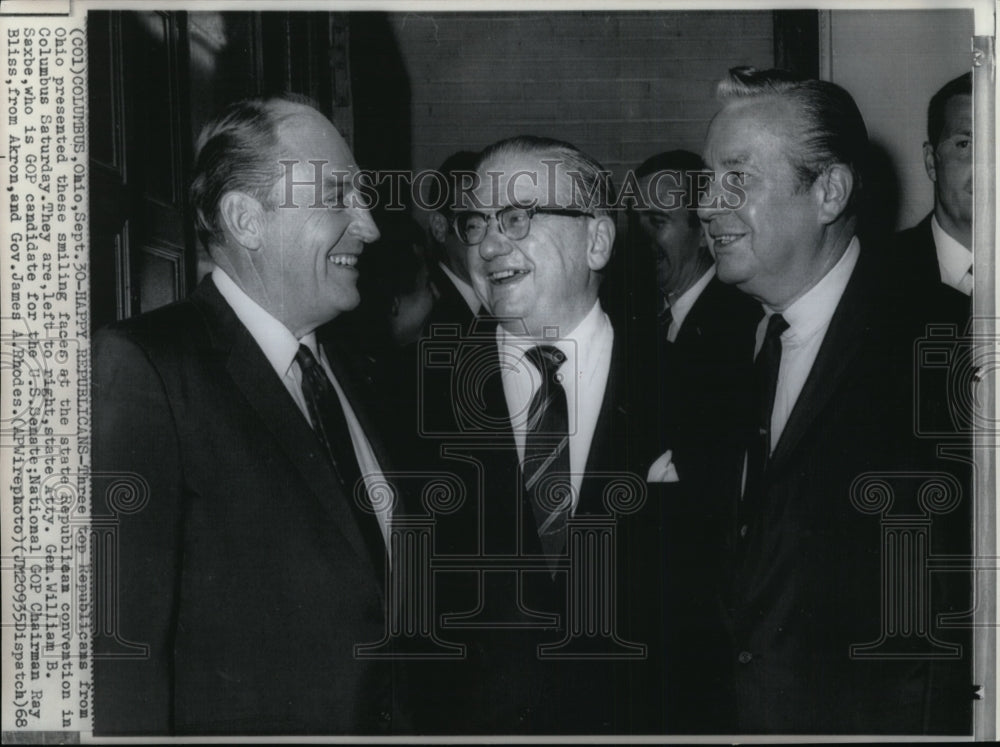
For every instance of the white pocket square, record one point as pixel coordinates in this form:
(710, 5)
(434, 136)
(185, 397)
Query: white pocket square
(663, 470)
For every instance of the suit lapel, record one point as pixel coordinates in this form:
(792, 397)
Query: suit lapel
(504, 481)
(691, 330)
(609, 448)
(358, 395)
(450, 306)
(925, 260)
(842, 343)
(266, 395)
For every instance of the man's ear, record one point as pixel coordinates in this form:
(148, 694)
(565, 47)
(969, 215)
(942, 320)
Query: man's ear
(600, 242)
(929, 163)
(242, 216)
(438, 225)
(834, 187)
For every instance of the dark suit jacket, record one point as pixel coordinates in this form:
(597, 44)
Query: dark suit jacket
(449, 306)
(719, 309)
(717, 330)
(698, 381)
(914, 255)
(503, 686)
(244, 571)
(802, 579)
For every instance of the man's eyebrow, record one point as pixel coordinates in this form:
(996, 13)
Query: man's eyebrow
(737, 160)
(334, 183)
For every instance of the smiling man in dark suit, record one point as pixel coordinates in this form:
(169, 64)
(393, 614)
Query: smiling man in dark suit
(828, 407)
(701, 321)
(939, 248)
(257, 563)
(669, 223)
(545, 403)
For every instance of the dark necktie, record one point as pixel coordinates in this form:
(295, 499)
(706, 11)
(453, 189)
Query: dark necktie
(331, 429)
(546, 452)
(665, 319)
(765, 369)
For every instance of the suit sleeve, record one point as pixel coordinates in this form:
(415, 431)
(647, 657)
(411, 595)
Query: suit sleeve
(137, 516)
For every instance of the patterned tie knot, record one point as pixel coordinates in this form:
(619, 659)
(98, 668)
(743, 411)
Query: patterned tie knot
(306, 360)
(547, 359)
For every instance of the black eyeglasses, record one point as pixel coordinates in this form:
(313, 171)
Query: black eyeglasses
(514, 222)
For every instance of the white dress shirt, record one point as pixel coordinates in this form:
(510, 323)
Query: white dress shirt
(279, 346)
(467, 291)
(584, 376)
(808, 320)
(682, 305)
(954, 260)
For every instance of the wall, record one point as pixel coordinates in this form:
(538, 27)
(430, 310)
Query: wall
(621, 86)
(892, 63)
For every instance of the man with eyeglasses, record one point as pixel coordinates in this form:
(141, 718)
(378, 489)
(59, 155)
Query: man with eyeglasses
(548, 408)
(939, 248)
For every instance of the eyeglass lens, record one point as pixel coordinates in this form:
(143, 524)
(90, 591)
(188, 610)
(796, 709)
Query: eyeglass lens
(514, 223)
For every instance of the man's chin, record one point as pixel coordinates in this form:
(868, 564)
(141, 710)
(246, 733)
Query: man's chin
(728, 274)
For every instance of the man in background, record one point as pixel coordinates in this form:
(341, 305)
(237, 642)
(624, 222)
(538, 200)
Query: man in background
(701, 321)
(939, 248)
(667, 219)
(455, 301)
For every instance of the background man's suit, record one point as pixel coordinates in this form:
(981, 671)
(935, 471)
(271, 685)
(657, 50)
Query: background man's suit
(699, 380)
(449, 306)
(801, 581)
(246, 572)
(713, 333)
(915, 255)
(502, 686)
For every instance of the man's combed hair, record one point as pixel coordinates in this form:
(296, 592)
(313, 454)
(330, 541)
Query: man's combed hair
(237, 152)
(671, 160)
(683, 163)
(442, 191)
(960, 86)
(592, 185)
(832, 128)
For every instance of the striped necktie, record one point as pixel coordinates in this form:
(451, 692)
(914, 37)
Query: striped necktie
(546, 452)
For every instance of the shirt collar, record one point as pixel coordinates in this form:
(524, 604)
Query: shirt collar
(954, 260)
(814, 309)
(579, 346)
(679, 308)
(275, 339)
(467, 291)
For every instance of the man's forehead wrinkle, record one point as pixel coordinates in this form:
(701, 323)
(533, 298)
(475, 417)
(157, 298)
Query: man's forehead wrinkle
(307, 135)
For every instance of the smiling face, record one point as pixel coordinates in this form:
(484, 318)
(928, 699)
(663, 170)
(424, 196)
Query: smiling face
(674, 238)
(949, 165)
(549, 278)
(771, 245)
(307, 260)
